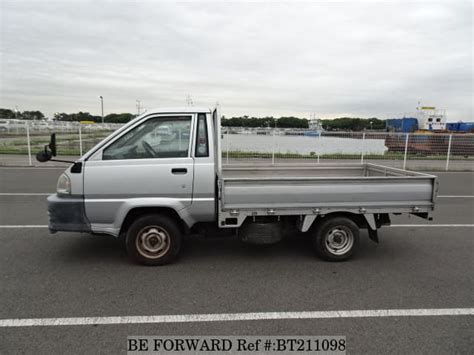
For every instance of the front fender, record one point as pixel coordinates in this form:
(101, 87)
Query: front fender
(127, 205)
(177, 205)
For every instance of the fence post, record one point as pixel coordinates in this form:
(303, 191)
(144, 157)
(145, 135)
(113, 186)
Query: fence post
(319, 144)
(29, 143)
(273, 148)
(227, 146)
(362, 154)
(449, 152)
(406, 150)
(80, 140)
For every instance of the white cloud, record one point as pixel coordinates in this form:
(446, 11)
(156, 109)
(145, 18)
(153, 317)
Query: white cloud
(331, 58)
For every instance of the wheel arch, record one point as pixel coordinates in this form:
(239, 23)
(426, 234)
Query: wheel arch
(357, 218)
(137, 212)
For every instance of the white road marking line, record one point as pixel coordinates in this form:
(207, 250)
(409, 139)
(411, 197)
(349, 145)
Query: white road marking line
(455, 196)
(393, 225)
(196, 199)
(232, 317)
(24, 226)
(25, 193)
(432, 225)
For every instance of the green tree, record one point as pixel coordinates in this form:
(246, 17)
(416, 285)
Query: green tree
(32, 115)
(61, 116)
(118, 118)
(292, 122)
(269, 121)
(7, 114)
(353, 124)
(82, 116)
(79, 116)
(376, 123)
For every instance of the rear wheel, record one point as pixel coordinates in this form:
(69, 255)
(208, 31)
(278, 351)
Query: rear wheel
(336, 239)
(153, 240)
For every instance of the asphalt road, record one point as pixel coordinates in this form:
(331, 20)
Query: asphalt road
(73, 275)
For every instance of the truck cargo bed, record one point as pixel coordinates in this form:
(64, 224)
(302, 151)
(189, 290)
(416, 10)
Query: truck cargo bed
(350, 187)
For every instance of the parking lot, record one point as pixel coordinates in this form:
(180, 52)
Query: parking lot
(419, 265)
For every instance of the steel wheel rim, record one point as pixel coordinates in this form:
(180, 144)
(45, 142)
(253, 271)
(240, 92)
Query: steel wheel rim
(153, 242)
(339, 240)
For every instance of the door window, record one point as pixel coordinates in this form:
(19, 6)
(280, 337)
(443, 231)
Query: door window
(158, 137)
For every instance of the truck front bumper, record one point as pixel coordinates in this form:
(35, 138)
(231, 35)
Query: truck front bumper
(67, 214)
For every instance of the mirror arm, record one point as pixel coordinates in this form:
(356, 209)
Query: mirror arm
(63, 161)
(58, 160)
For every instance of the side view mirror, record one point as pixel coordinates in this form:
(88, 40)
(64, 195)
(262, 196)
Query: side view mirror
(49, 151)
(52, 144)
(43, 156)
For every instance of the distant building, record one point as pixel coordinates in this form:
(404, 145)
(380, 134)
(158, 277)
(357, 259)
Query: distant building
(431, 118)
(428, 118)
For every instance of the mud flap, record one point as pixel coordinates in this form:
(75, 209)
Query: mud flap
(373, 235)
(372, 227)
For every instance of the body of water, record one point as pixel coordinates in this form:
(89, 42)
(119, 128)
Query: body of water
(301, 144)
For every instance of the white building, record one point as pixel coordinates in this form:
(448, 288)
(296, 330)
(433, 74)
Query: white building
(431, 118)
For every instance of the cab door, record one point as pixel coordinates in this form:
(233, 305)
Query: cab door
(148, 164)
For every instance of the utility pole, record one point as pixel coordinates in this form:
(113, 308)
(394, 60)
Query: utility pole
(102, 107)
(138, 107)
(189, 101)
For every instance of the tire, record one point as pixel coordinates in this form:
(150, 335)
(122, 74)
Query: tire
(153, 240)
(336, 239)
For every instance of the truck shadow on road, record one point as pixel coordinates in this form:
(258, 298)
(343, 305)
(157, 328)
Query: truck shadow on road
(198, 250)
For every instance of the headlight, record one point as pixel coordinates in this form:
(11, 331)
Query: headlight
(64, 185)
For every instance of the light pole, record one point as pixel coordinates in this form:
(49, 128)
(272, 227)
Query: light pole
(102, 107)
(138, 107)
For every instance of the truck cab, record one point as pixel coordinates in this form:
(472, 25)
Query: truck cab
(131, 173)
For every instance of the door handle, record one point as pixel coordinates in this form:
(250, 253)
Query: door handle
(179, 171)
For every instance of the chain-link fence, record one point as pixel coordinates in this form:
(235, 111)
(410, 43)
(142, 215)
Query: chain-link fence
(434, 151)
(19, 144)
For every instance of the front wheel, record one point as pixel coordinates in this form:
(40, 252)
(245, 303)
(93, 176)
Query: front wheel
(153, 240)
(336, 239)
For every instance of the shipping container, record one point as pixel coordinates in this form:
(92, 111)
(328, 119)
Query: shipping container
(405, 124)
(464, 127)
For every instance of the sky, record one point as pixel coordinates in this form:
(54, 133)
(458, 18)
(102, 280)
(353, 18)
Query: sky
(331, 59)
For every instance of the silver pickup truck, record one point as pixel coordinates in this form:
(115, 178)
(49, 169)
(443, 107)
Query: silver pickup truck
(160, 177)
